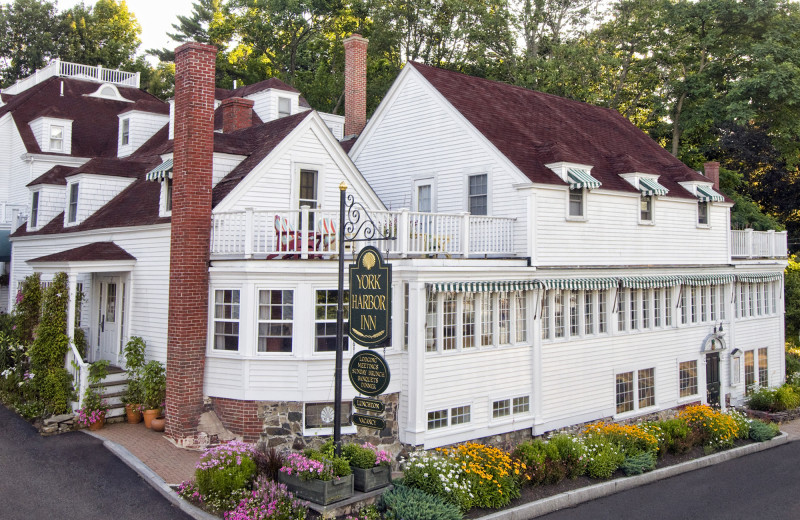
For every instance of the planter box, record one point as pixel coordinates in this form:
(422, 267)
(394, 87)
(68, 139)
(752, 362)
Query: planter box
(373, 478)
(319, 491)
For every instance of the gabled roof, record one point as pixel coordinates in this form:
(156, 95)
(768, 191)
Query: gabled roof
(94, 120)
(100, 166)
(224, 93)
(57, 175)
(533, 129)
(96, 252)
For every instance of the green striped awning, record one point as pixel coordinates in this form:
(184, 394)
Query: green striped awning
(160, 172)
(758, 277)
(497, 286)
(579, 178)
(707, 279)
(650, 282)
(578, 284)
(651, 187)
(706, 194)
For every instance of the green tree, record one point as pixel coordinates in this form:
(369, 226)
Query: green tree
(29, 32)
(106, 34)
(792, 299)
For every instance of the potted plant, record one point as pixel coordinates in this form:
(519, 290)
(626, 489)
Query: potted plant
(93, 412)
(154, 388)
(134, 365)
(320, 481)
(372, 468)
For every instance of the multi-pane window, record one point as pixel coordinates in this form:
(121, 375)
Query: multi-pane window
(56, 138)
(501, 408)
(646, 309)
(521, 303)
(325, 320)
(684, 306)
(504, 319)
(35, 209)
(647, 388)
(226, 319)
(478, 194)
(72, 210)
(668, 307)
(722, 302)
(646, 208)
(588, 313)
(125, 138)
(633, 301)
(576, 203)
(688, 378)
(713, 313)
(621, 310)
(774, 298)
(468, 321)
(308, 192)
(437, 419)
(449, 321)
(657, 307)
(460, 415)
(521, 404)
(430, 322)
(763, 368)
(275, 315)
(168, 195)
(749, 371)
(558, 311)
(624, 392)
(546, 316)
(602, 313)
(703, 304)
(702, 213)
(284, 107)
(487, 320)
(573, 314)
(424, 192)
(693, 293)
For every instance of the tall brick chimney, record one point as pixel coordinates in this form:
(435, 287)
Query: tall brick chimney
(189, 243)
(711, 170)
(237, 113)
(355, 84)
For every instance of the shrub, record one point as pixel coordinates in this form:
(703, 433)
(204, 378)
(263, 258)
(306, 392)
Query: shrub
(495, 476)
(543, 462)
(315, 465)
(786, 398)
(761, 431)
(603, 456)
(366, 456)
(640, 463)
(676, 437)
(407, 503)
(268, 501)
(153, 385)
(51, 343)
(630, 438)
(367, 513)
(440, 476)
(571, 453)
(54, 387)
(28, 307)
(716, 429)
(224, 470)
(269, 462)
(761, 399)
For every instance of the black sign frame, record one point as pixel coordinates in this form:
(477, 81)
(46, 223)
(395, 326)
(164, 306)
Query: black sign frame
(370, 321)
(369, 373)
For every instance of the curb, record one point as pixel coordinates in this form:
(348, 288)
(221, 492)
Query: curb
(153, 479)
(603, 489)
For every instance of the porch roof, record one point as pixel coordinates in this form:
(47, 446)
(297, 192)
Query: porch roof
(96, 257)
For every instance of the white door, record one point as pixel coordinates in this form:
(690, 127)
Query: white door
(109, 317)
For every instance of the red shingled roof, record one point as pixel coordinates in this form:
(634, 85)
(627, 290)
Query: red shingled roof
(533, 129)
(57, 175)
(99, 251)
(94, 120)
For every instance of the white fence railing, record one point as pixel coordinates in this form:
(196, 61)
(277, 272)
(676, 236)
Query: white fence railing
(79, 371)
(310, 233)
(746, 243)
(75, 70)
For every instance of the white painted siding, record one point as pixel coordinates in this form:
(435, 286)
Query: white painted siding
(41, 130)
(51, 204)
(143, 125)
(266, 103)
(223, 164)
(334, 123)
(94, 192)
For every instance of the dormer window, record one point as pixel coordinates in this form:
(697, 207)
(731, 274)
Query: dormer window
(284, 107)
(125, 132)
(109, 91)
(35, 210)
(72, 209)
(56, 138)
(702, 213)
(168, 195)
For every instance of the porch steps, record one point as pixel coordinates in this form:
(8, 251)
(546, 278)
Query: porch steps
(113, 389)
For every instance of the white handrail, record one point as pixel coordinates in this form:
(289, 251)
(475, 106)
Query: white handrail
(75, 70)
(747, 243)
(79, 370)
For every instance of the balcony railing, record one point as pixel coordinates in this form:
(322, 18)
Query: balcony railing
(310, 233)
(746, 243)
(77, 71)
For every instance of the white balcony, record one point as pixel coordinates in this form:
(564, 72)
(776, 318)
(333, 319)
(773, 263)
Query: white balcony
(309, 233)
(77, 71)
(746, 243)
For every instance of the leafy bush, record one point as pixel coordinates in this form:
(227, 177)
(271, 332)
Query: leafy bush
(495, 476)
(761, 431)
(51, 343)
(408, 503)
(603, 456)
(542, 461)
(761, 399)
(315, 465)
(269, 501)
(677, 438)
(572, 454)
(154, 385)
(224, 470)
(366, 456)
(716, 429)
(630, 438)
(28, 308)
(367, 513)
(786, 398)
(640, 463)
(440, 476)
(134, 365)
(54, 388)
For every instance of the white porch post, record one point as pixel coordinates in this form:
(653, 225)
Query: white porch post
(72, 281)
(417, 421)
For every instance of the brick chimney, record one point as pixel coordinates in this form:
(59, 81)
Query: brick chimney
(189, 242)
(355, 84)
(237, 113)
(711, 170)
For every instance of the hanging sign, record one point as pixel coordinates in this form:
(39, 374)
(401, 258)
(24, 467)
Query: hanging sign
(371, 405)
(369, 373)
(370, 299)
(368, 421)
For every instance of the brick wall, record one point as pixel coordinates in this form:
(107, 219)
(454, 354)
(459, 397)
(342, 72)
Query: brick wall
(240, 417)
(237, 113)
(355, 84)
(189, 243)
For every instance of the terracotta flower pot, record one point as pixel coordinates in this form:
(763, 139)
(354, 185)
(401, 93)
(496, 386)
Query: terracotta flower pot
(149, 415)
(98, 424)
(133, 413)
(158, 424)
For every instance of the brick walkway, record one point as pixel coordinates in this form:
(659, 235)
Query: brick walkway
(171, 463)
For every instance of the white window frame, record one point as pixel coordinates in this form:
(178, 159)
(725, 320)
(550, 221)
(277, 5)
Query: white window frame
(427, 181)
(345, 429)
(165, 197)
(68, 217)
(636, 408)
(237, 320)
(469, 195)
(125, 131)
(647, 221)
(345, 318)
(694, 396)
(36, 198)
(60, 140)
(279, 111)
(707, 211)
(583, 217)
(269, 321)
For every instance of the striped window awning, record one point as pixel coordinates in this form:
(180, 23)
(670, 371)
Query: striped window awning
(707, 279)
(758, 277)
(578, 284)
(160, 172)
(499, 286)
(706, 194)
(650, 282)
(650, 187)
(579, 178)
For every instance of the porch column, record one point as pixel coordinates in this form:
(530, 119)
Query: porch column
(72, 283)
(417, 420)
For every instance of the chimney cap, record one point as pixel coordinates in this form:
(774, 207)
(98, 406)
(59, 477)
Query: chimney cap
(355, 37)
